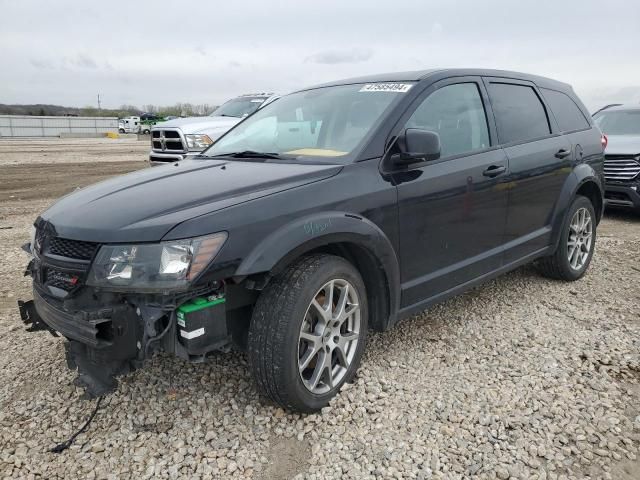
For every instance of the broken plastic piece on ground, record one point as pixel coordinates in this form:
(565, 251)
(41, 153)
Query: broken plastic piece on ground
(95, 375)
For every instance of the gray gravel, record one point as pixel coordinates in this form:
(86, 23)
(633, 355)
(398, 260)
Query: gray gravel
(521, 378)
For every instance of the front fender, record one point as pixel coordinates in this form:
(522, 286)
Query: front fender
(302, 235)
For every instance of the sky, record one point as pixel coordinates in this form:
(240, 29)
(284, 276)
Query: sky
(162, 52)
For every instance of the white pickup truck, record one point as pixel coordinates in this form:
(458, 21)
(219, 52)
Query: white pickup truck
(176, 139)
(129, 125)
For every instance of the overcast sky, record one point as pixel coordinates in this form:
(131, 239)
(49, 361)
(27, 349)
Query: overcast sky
(162, 52)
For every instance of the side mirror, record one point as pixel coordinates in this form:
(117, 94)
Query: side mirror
(417, 145)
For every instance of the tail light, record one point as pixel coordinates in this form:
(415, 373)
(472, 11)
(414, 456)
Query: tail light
(604, 141)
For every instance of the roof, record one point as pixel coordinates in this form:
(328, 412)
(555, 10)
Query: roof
(418, 75)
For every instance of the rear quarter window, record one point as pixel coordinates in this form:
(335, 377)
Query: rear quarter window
(520, 115)
(567, 113)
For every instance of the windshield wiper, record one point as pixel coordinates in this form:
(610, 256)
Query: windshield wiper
(251, 154)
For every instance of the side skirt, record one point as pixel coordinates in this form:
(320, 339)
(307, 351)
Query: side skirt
(418, 307)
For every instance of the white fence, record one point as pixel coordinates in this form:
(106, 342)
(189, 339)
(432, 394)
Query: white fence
(33, 126)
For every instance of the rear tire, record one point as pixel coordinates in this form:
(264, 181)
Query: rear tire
(577, 242)
(308, 332)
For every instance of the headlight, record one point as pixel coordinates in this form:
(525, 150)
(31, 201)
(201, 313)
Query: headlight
(198, 142)
(151, 267)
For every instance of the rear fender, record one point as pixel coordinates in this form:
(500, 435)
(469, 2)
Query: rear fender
(582, 174)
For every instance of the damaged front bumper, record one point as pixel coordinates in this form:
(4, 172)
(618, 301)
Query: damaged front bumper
(113, 332)
(101, 344)
(113, 339)
(110, 335)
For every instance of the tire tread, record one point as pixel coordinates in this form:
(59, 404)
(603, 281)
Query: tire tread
(555, 265)
(267, 333)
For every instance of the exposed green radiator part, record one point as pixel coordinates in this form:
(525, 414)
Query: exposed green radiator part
(202, 324)
(199, 303)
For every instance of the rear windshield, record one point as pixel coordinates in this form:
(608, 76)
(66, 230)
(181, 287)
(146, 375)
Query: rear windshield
(619, 122)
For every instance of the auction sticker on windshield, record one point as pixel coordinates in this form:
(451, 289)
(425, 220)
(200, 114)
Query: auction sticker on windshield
(386, 87)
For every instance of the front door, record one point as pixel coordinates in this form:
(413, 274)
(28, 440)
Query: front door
(452, 211)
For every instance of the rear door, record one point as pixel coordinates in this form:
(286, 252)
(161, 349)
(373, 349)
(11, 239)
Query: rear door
(540, 160)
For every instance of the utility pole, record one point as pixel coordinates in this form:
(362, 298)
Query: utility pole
(98, 101)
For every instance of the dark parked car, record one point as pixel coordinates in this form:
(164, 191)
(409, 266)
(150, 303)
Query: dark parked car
(621, 125)
(335, 210)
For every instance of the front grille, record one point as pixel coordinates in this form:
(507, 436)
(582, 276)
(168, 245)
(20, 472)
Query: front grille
(167, 141)
(72, 248)
(617, 196)
(621, 167)
(174, 145)
(61, 264)
(163, 159)
(59, 279)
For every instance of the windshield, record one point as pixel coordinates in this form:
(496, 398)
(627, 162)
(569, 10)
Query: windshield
(620, 122)
(238, 107)
(324, 122)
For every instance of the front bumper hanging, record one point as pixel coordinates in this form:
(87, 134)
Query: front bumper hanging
(101, 344)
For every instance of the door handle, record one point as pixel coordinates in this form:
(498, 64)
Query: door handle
(562, 153)
(494, 171)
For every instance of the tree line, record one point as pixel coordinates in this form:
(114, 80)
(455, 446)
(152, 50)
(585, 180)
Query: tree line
(177, 110)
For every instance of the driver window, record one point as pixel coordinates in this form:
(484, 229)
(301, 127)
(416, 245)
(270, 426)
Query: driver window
(456, 113)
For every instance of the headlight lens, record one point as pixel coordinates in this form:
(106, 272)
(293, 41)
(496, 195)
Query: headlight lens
(198, 142)
(152, 267)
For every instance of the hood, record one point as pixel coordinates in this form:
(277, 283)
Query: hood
(200, 124)
(623, 145)
(143, 206)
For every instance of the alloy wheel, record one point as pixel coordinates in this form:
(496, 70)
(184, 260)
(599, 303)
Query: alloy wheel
(329, 336)
(580, 238)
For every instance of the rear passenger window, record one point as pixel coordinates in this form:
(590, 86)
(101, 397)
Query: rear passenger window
(520, 115)
(567, 113)
(456, 113)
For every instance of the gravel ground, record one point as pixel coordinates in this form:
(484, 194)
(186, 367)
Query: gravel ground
(521, 378)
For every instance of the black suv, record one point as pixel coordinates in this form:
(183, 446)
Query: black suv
(334, 210)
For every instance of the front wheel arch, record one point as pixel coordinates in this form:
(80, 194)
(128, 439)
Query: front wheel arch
(351, 237)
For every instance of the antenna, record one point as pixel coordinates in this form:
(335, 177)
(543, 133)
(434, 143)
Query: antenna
(98, 101)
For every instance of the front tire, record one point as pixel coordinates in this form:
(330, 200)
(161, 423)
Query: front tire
(308, 332)
(577, 242)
